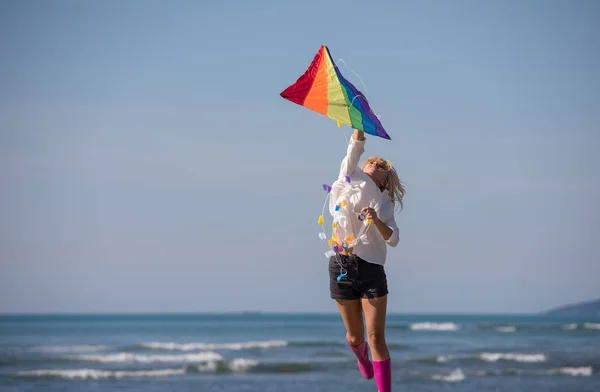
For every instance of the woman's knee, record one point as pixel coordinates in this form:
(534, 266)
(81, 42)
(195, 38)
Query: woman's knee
(376, 338)
(354, 339)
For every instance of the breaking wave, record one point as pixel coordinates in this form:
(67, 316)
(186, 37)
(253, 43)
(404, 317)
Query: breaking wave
(171, 346)
(238, 365)
(498, 328)
(487, 357)
(203, 356)
(454, 376)
(516, 357)
(583, 371)
(244, 365)
(429, 326)
(67, 349)
(95, 374)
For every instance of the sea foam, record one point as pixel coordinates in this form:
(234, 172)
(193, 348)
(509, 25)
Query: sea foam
(529, 358)
(95, 374)
(172, 346)
(454, 376)
(66, 349)
(428, 326)
(205, 356)
(573, 371)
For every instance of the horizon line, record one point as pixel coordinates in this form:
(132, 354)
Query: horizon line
(255, 312)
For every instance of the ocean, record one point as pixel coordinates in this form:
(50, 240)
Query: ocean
(294, 352)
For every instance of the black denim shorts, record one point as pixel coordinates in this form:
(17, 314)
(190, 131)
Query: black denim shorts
(363, 280)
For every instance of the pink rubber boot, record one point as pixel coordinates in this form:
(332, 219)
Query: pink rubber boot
(383, 375)
(364, 364)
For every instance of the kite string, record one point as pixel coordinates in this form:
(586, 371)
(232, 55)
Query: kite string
(365, 88)
(354, 72)
(346, 137)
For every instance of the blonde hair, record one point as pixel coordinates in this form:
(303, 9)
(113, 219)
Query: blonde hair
(395, 187)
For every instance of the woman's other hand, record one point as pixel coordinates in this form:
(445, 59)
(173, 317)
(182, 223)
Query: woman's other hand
(370, 213)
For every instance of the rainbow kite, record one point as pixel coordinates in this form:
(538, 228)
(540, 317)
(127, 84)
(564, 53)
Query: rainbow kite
(323, 89)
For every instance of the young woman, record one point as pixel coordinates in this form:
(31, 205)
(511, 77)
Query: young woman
(369, 196)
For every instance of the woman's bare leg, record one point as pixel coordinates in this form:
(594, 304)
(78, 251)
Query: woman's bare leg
(375, 310)
(375, 313)
(351, 312)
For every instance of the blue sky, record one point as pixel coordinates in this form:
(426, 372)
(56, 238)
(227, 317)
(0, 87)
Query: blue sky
(148, 163)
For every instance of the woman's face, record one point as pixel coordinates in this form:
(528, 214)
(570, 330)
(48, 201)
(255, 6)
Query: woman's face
(377, 169)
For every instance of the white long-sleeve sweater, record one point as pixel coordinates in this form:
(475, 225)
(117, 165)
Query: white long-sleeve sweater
(359, 193)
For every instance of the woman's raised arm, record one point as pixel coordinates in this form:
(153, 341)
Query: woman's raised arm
(355, 149)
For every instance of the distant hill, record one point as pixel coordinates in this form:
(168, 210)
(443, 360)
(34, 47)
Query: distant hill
(588, 308)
